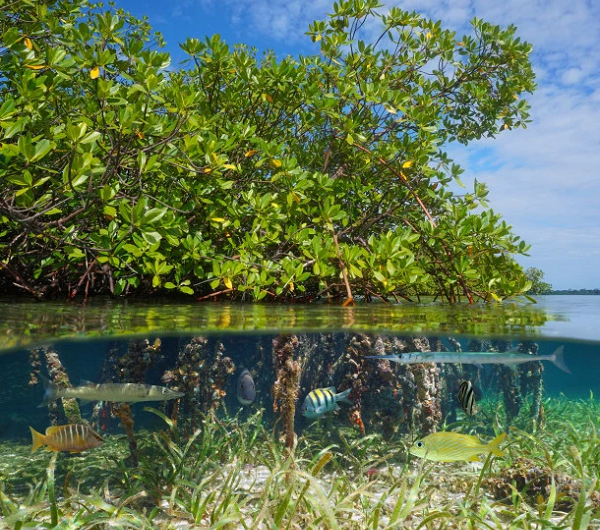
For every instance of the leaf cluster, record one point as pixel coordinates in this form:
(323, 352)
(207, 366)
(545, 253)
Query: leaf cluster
(253, 176)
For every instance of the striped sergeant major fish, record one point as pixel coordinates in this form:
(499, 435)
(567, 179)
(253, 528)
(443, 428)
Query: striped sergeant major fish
(466, 396)
(73, 438)
(116, 392)
(509, 358)
(323, 400)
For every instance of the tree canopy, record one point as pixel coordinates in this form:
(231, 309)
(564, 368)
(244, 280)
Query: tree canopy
(538, 285)
(248, 175)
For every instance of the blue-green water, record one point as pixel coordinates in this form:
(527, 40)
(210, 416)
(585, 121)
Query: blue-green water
(86, 360)
(201, 350)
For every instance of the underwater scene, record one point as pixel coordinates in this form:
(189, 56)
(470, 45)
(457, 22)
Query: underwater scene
(338, 429)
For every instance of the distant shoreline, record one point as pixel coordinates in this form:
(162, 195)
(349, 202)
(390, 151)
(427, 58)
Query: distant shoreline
(576, 291)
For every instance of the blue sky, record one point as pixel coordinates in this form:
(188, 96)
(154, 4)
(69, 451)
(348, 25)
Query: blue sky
(545, 179)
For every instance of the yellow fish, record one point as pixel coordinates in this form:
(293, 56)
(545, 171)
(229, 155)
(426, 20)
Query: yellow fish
(73, 438)
(453, 446)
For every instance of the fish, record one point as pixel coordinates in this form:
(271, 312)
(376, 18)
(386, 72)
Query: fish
(118, 392)
(508, 358)
(453, 446)
(323, 400)
(246, 391)
(466, 396)
(73, 438)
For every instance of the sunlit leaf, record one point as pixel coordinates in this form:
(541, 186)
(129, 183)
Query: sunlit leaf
(94, 72)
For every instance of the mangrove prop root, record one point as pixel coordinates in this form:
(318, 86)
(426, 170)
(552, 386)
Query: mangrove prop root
(189, 376)
(58, 375)
(359, 376)
(390, 400)
(35, 363)
(532, 382)
(202, 377)
(123, 412)
(450, 382)
(509, 380)
(427, 409)
(287, 383)
(139, 358)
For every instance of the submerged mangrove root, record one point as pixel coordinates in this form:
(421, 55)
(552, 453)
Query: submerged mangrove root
(217, 374)
(287, 384)
(392, 391)
(58, 375)
(139, 358)
(532, 381)
(427, 409)
(185, 377)
(202, 377)
(450, 382)
(123, 412)
(360, 373)
(35, 363)
(509, 380)
(101, 414)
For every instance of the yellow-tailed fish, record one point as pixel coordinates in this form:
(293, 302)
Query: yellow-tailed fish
(466, 396)
(453, 446)
(117, 392)
(323, 400)
(73, 438)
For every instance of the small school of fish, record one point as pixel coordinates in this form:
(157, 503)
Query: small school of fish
(323, 400)
(466, 397)
(453, 446)
(437, 447)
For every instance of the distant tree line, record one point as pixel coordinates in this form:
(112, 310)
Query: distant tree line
(575, 291)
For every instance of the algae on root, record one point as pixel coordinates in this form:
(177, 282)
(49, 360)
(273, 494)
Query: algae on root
(286, 385)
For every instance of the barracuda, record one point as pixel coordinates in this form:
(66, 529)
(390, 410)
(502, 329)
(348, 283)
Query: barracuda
(507, 358)
(118, 392)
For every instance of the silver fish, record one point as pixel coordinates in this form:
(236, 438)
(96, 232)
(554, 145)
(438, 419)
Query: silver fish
(466, 396)
(508, 358)
(125, 392)
(323, 400)
(246, 391)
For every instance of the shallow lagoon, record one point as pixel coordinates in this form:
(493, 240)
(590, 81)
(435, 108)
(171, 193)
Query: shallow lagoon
(206, 461)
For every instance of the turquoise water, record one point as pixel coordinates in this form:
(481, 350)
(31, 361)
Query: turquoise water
(200, 350)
